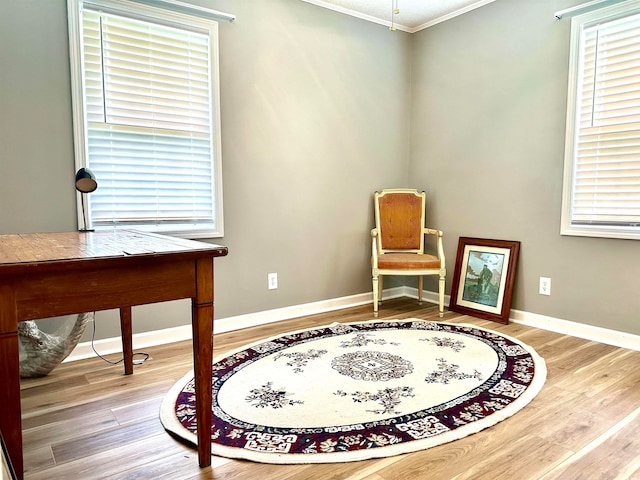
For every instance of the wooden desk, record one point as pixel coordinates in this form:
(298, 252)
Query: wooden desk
(49, 274)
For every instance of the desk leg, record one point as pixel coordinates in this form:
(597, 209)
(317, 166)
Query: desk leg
(202, 324)
(127, 340)
(11, 420)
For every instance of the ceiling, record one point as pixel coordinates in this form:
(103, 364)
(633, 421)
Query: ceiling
(414, 15)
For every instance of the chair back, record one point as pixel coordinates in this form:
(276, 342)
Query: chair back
(399, 217)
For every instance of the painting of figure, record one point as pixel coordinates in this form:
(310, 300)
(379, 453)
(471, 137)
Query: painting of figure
(482, 279)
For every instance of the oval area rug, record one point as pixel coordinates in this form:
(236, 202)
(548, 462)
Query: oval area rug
(347, 392)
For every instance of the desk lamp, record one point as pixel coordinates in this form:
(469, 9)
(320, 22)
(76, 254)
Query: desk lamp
(85, 183)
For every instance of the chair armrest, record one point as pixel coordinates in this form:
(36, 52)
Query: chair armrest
(432, 231)
(440, 234)
(374, 248)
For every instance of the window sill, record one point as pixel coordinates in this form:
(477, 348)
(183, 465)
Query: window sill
(624, 233)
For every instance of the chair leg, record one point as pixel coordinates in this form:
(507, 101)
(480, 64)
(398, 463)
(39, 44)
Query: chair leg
(441, 296)
(376, 294)
(380, 289)
(420, 279)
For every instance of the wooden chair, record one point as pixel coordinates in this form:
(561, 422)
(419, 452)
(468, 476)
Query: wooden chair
(398, 242)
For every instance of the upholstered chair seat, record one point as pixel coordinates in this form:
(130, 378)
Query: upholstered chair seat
(408, 261)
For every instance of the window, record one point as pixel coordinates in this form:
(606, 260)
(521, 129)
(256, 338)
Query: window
(146, 117)
(601, 196)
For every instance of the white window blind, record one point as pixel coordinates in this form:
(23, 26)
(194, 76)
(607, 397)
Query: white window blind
(604, 180)
(150, 123)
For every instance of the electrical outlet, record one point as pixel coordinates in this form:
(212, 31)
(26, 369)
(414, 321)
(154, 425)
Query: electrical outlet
(272, 281)
(545, 286)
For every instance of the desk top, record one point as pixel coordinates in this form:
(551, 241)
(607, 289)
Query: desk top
(39, 248)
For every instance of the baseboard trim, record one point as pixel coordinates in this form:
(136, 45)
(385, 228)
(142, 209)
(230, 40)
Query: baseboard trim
(552, 324)
(557, 325)
(580, 330)
(223, 325)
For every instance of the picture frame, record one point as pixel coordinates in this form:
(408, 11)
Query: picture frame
(483, 278)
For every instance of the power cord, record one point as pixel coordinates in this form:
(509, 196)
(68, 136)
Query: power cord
(136, 361)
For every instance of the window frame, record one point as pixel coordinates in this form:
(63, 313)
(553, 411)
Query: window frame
(578, 24)
(80, 125)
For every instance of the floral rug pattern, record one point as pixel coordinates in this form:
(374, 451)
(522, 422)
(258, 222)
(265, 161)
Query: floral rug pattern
(346, 392)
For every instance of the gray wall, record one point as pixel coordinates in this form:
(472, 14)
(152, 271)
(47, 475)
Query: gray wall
(488, 122)
(319, 110)
(315, 117)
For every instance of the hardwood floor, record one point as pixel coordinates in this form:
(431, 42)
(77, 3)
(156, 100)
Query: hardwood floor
(86, 420)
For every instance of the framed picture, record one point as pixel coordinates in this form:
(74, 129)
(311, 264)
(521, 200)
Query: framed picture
(483, 278)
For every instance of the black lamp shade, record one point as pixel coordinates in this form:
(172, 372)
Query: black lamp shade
(86, 181)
